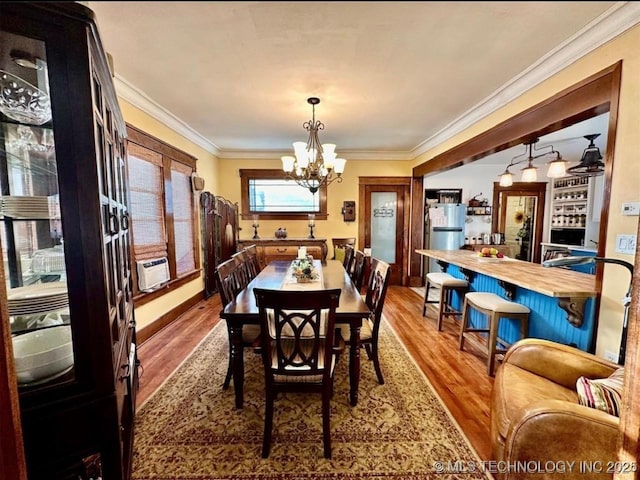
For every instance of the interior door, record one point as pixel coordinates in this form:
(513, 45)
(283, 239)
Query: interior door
(385, 226)
(518, 213)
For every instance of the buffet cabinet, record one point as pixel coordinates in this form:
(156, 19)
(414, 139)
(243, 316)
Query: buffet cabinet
(65, 239)
(271, 249)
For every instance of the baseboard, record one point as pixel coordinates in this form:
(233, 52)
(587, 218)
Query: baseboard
(416, 281)
(150, 330)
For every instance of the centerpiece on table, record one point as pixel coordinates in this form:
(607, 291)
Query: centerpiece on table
(303, 271)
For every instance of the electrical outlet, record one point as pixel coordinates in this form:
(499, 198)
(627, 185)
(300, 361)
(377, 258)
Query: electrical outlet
(612, 357)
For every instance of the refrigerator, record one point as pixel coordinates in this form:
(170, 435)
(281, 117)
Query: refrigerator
(445, 228)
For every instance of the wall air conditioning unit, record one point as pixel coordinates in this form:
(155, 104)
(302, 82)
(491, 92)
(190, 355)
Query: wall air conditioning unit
(152, 273)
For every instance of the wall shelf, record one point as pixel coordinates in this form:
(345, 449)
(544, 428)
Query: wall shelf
(482, 210)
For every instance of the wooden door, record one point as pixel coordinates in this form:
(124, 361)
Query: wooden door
(384, 222)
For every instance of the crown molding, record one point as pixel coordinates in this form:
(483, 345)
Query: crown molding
(348, 154)
(615, 21)
(139, 99)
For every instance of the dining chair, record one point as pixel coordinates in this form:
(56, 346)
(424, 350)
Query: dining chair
(229, 286)
(299, 349)
(244, 272)
(347, 261)
(339, 245)
(376, 293)
(254, 263)
(358, 268)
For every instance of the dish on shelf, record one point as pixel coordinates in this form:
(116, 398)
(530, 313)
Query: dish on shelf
(42, 355)
(21, 101)
(37, 298)
(29, 207)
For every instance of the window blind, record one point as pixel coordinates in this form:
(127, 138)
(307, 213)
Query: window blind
(147, 202)
(183, 220)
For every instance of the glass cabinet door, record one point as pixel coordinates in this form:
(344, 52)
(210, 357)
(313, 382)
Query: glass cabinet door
(31, 234)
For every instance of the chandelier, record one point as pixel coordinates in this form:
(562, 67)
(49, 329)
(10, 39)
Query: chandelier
(557, 167)
(314, 165)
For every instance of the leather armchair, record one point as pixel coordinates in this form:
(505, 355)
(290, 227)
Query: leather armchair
(536, 417)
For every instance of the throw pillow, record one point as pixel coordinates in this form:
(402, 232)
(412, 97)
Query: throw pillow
(339, 254)
(602, 394)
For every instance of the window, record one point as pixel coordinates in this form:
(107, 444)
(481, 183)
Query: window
(269, 194)
(162, 208)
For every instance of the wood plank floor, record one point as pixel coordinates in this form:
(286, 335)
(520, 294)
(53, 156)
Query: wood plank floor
(459, 378)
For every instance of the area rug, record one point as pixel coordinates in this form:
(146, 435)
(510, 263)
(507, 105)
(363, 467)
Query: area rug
(189, 428)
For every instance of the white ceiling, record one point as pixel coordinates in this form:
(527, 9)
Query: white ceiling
(390, 75)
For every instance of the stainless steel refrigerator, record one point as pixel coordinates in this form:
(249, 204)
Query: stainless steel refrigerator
(445, 228)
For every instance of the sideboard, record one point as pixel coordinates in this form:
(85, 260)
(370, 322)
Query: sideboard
(270, 249)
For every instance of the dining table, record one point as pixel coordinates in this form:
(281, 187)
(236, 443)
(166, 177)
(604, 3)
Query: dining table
(277, 276)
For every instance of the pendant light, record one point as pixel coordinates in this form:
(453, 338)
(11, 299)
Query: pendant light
(591, 163)
(556, 168)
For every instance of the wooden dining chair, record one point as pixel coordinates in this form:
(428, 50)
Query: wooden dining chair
(254, 262)
(358, 268)
(298, 349)
(339, 245)
(347, 261)
(376, 293)
(229, 285)
(244, 269)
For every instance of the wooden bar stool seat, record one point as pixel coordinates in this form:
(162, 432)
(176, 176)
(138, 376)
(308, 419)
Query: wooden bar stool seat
(496, 308)
(447, 284)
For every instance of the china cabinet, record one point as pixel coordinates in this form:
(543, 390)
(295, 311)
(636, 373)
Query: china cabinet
(64, 238)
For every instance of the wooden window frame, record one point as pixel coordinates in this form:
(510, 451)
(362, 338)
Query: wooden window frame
(272, 174)
(169, 154)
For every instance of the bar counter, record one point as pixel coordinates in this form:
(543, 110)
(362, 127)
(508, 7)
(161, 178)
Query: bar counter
(561, 300)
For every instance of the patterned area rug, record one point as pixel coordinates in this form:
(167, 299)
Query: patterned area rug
(189, 428)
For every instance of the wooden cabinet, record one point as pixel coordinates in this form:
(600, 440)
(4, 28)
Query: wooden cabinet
(271, 249)
(65, 243)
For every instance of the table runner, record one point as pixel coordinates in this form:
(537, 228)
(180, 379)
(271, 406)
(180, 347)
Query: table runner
(290, 282)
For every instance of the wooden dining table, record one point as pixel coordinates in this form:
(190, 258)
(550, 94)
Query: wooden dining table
(243, 311)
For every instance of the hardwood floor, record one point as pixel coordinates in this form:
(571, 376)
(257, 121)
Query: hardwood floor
(459, 378)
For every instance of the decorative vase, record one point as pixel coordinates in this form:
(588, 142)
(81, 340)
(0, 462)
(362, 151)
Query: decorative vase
(281, 233)
(303, 280)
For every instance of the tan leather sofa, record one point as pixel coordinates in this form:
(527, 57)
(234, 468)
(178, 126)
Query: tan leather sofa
(536, 417)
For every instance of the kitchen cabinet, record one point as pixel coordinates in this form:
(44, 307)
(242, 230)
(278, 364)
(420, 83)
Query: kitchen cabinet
(64, 224)
(576, 203)
(271, 249)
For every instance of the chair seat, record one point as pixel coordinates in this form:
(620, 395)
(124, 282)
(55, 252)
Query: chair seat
(366, 331)
(495, 303)
(446, 280)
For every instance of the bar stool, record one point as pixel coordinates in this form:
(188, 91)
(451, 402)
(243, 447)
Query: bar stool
(495, 307)
(447, 284)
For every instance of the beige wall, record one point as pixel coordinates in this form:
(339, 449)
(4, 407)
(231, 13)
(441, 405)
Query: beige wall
(626, 172)
(207, 166)
(334, 226)
(221, 175)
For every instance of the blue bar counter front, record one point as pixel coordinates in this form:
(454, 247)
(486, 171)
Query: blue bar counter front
(547, 320)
